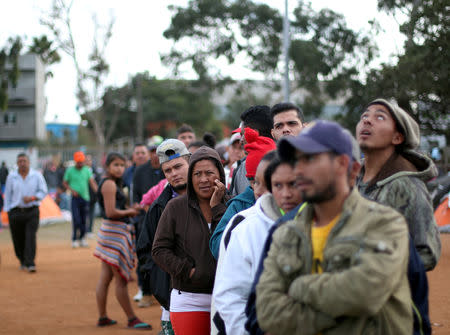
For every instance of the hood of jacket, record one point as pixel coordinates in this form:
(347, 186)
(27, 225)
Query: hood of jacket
(266, 207)
(407, 164)
(202, 153)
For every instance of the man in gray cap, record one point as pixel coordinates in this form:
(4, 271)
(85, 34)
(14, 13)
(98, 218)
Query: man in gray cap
(395, 175)
(174, 159)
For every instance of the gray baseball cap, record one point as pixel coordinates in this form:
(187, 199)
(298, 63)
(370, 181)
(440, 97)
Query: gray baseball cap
(171, 149)
(404, 122)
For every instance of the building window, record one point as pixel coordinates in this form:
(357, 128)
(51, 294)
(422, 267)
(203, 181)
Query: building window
(9, 118)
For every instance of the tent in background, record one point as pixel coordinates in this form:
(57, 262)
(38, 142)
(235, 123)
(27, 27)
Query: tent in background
(49, 212)
(442, 215)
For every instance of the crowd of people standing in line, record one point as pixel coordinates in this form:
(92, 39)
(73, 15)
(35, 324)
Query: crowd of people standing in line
(285, 230)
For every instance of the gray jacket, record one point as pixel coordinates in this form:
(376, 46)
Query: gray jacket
(401, 185)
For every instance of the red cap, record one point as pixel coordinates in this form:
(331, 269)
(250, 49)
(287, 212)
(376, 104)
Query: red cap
(257, 146)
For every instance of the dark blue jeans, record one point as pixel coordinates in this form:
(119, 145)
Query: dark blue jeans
(80, 209)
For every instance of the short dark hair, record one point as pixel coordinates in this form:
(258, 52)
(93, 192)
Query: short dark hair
(185, 128)
(284, 107)
(22, 154)
(196, 144)
(140, 144)
(273, 165)
(209, 139)
(269, 156)
(258, 118)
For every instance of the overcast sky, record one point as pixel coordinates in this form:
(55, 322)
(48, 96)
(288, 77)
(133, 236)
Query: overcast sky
(137, 40)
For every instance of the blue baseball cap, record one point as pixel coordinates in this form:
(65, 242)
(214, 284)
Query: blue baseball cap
(319, 136)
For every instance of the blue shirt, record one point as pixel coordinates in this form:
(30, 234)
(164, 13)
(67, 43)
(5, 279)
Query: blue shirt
(235, 205)
(17, 187)
(128, 176)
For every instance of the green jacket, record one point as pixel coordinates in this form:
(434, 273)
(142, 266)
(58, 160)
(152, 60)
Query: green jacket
(401, 185)
(364, 287)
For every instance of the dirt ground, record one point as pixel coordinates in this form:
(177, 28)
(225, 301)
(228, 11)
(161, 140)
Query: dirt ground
(60, 297)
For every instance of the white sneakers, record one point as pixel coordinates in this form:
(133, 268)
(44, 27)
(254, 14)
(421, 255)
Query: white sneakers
(82, 243)
(146, 301)
(138, 296)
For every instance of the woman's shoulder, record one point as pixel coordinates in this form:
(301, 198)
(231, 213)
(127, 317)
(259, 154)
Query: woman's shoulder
(107, 183)
(177, 201)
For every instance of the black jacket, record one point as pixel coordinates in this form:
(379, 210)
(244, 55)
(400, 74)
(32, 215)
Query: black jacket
(158, 279)
(144, 178)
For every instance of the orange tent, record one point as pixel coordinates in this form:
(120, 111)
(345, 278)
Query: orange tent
(48, 211)
(442, 213)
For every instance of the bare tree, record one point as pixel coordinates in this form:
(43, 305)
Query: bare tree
(89, 82)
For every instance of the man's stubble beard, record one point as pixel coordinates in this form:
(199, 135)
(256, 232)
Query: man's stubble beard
(325, 195)
(180, 187)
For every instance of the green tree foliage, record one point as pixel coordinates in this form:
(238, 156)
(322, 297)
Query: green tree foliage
(9, 68)
(9, 62)
(46, 50)
(178, 101)
(329, 59)
(325, 53)
(224, 29)
(420, 79)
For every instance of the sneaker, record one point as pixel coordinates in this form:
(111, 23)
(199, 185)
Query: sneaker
(75, 244)
(31, 268)
(146, 301)
(22, 267)
(84, 243)
(138, 296)
(103, 322)
(136, 323)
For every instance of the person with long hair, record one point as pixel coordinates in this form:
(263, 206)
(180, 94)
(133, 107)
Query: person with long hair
(115, 246)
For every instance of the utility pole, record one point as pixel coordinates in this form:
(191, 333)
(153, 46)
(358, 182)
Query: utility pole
(139, 116)
(286, 43)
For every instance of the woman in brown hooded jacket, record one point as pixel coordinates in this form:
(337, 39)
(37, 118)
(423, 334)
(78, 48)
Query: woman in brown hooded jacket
(181, 245)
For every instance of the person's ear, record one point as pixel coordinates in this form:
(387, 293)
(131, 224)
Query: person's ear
(343, 163)
(398, 138)
(354, 173)
(272, 133)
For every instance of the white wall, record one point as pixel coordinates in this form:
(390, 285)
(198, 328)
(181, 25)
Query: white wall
(9, 155)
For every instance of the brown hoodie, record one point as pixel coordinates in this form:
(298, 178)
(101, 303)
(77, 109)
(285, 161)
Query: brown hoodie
(182, 238)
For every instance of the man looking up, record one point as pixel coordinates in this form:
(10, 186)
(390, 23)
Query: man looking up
(24, 190)
(287, 120)
(174, 158)
(394, 174)
(339, 267)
